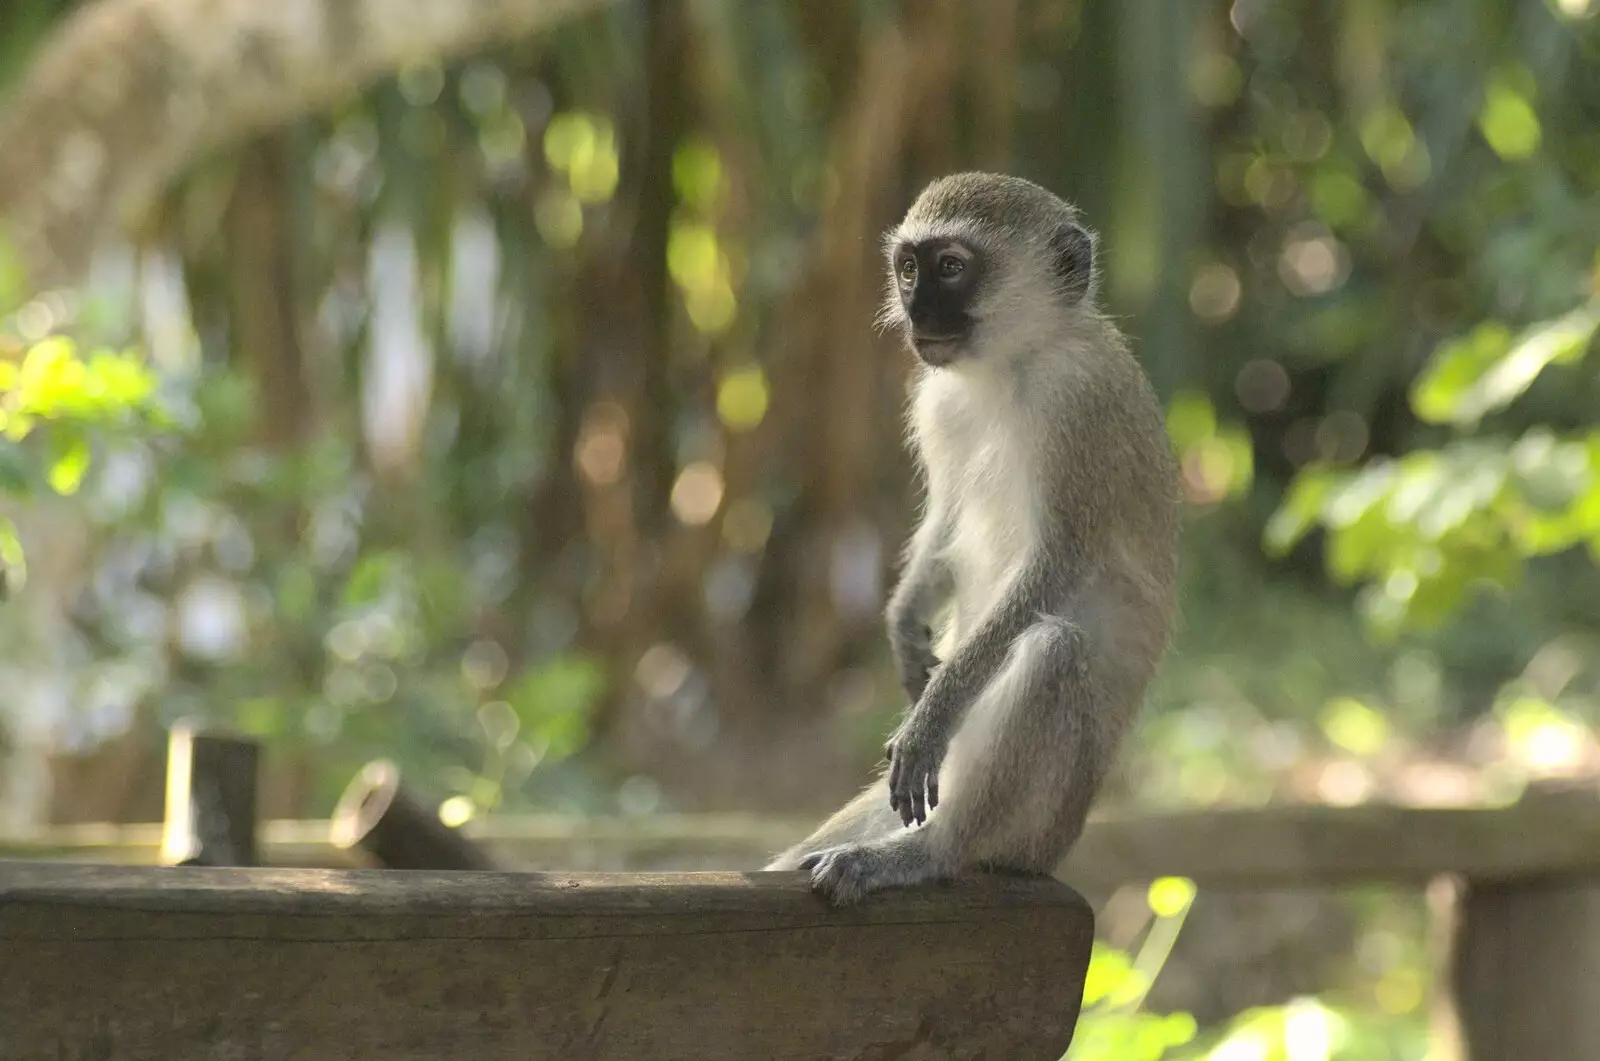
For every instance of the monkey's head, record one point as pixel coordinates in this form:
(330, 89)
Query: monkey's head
(978, 253)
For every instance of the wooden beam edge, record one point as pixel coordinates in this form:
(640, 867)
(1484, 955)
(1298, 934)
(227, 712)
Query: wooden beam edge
(227, 891)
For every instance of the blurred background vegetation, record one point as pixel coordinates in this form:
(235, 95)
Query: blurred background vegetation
(519, 418)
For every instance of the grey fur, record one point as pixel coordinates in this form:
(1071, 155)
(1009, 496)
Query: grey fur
(1046, 561)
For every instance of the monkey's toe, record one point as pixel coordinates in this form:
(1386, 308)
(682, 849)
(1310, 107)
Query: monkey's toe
(841, 875)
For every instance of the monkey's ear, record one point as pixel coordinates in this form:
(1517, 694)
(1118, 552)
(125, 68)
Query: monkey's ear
(1072, 251)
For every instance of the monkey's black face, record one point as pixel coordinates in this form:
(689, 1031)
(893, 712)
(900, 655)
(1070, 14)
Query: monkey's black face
(937, 280)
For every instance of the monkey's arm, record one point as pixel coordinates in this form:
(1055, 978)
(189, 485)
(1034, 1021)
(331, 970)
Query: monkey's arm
(918, 747)
(923, 587)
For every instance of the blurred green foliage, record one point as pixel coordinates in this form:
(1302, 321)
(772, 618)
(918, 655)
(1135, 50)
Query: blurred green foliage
(1427, 527)
(1117, 1025)
(56, 404)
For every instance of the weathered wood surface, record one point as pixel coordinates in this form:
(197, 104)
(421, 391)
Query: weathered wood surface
(1238, 850)
(186, 963)
(1525, 971)
(1319, 846)
(211, 798)
(378, 816)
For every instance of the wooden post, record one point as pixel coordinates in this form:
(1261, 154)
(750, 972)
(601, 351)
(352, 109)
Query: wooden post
(211, 799)
(1526, 968)
(379, 816)
(1527, 951)
(146, 963)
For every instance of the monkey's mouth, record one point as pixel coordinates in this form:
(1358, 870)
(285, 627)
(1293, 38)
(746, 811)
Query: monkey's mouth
(938, 348)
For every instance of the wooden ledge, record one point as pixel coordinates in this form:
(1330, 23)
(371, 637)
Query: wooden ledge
(198, 962)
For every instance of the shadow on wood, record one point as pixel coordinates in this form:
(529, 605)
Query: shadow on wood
(380, 817)
(178, 964)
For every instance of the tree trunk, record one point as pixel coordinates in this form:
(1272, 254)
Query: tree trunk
(128, 93)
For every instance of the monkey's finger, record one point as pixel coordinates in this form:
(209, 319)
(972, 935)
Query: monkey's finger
(933, 789)
(894, 786)
(919, 802)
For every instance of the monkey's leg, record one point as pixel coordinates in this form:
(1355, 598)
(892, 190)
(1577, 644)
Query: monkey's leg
(867, 817)
(1018, 783)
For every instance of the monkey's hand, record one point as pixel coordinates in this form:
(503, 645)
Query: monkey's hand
(913, 656)
(915, 752)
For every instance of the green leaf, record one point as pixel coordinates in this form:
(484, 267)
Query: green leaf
(1354, 726)
(1301, 509)
(553, 702)
(1508, 122)
(68, 468)
(1190, 420)
(261, 716)
(1457, 366)
(1179, 1028)
(1170, 896)
(1471, 378)
(1109, 972)
(296, 592)
(370, 578)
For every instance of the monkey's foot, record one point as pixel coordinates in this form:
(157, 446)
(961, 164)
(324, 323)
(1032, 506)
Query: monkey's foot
(846, 874)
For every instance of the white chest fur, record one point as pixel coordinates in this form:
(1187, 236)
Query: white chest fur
(981, 476)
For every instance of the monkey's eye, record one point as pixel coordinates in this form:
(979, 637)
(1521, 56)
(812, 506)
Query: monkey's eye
(908, 270)
(951, 265)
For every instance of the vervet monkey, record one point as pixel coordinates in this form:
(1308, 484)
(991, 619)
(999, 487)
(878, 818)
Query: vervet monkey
(1043, 571)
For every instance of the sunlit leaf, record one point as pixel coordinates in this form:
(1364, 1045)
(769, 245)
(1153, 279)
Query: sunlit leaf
(712, 309)
(742, 398)
(1354, 726)
(1388, 137)
(1179, 1028)
(456, 811)
(692, 255)
(369, 578)
(1190, 419)
(697, 173)
(296, 592)
(260, 716)
(1509, 123)
(1170, 896)
(1300, 510)
(559, 218)
(553, 701)
(1109, 972)
(568, 136)
(1339, 199)
(1466, 382)
(68, 468)
(1456, 367)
